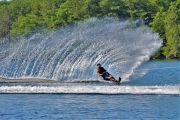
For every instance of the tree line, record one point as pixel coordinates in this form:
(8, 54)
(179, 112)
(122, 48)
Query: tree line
(21, 18)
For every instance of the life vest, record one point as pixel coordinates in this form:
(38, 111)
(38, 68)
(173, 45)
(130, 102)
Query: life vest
(101, 70)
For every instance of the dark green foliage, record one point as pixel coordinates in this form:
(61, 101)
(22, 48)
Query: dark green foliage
(5, 20)
(167, 23)
(20, 18)
(72, 11)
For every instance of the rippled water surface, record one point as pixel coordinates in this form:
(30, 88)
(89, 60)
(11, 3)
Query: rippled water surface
(88, 106)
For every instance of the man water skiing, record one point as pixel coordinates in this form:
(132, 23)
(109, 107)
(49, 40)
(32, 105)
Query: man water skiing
(106, 76)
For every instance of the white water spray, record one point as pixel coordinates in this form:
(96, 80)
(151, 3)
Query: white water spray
(170, 90)
(73, 52)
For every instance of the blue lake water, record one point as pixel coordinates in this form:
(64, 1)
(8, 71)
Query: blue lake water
(151, 93)
(88, 106)
(157, 73)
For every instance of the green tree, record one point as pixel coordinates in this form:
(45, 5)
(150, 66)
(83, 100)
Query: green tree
(39, 14)
(5, 21)
(158, 23)
(49, 9)
(137, 8)
(24, 26)
(172, 33)
(94, 9)
(113, 8)
(19, 8)
(72, 11)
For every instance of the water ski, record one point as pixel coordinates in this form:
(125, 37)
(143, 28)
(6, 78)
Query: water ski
(118, 82)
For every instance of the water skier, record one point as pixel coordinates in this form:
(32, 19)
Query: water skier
(106, 76)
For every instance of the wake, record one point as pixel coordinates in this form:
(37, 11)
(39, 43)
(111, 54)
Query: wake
(87, 89)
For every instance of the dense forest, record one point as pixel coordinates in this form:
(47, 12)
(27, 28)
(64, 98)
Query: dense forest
(21, 18)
